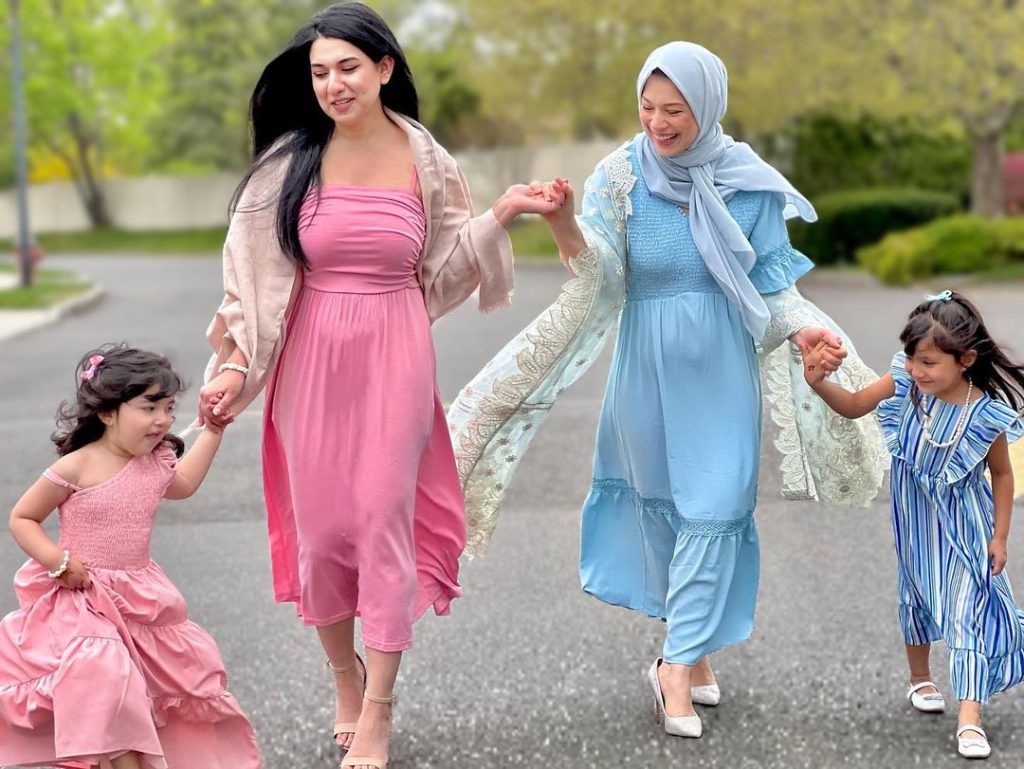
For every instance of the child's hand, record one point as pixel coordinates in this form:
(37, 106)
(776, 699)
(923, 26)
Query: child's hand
(75, 577)
(997, 554)
(217, 424)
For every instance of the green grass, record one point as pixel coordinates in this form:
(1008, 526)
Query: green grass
(531, 238)
(48, 288)
(204, 241)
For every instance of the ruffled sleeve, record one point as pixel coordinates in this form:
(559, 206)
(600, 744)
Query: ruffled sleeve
(890, 411)
(167, 462)
(778, 264)
(991, 419)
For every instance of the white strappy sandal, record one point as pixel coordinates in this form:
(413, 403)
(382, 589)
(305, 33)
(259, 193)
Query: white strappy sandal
(926, 703)
(972, 747)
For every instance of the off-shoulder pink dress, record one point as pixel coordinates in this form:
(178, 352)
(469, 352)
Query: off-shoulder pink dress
(365, 511)
(85, 674)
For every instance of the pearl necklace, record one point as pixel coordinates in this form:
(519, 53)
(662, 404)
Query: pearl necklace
(958, 428)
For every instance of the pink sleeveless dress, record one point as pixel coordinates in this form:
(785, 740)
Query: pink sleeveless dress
(86, 674)
(365, 512)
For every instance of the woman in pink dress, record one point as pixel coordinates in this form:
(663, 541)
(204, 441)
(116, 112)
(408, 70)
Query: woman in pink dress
(101, 664)
(351, 233)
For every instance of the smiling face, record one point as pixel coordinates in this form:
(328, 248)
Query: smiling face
(937, 372)
(666, 116)
(346, 81)
(139, 425)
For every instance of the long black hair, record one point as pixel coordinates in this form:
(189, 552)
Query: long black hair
(955, 326)
(104, 379)
(284, 106)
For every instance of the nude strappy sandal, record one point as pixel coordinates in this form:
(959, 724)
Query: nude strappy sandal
(347, 727)
(377, 763)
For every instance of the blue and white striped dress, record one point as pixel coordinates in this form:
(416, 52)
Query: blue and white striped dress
(942, 523)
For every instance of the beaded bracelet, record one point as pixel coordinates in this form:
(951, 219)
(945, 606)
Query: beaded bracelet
(62, 568)
(229, 366)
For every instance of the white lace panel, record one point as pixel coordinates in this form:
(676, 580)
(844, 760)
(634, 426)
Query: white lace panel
(494, 418)
(824, 455)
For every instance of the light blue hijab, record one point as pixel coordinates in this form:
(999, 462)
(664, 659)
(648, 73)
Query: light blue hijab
(709, 172)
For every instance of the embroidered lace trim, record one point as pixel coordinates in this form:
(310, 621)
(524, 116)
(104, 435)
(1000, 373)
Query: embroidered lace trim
(667, 508)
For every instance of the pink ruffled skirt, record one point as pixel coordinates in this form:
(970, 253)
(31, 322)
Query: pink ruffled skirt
(88, 674)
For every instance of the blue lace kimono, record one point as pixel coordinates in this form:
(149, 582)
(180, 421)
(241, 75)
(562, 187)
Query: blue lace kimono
(667, 526)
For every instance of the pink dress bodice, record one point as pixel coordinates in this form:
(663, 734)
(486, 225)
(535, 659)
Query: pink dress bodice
(361, 240)
(108, 526)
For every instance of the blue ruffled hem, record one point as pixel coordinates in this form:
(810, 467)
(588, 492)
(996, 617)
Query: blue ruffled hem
(700, 527)
(779, 269)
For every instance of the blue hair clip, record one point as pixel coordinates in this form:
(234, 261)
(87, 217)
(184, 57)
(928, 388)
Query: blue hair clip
(944, 296)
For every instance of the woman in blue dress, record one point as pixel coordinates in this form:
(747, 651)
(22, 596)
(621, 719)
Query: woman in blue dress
(683, 240)
(949, 406)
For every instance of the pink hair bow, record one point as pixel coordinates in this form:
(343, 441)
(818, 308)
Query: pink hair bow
(90, 372)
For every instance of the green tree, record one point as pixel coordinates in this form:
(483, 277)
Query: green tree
(91, 85)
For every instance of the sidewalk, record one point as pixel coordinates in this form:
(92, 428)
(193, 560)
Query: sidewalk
(16, 322)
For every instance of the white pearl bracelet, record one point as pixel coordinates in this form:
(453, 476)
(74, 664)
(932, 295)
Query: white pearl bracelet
(229, 366)
(62, 568)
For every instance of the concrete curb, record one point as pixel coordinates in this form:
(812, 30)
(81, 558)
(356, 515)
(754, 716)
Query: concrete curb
(14, 323)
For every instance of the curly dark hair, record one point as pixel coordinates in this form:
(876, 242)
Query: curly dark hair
(124, 373)
(955, 326)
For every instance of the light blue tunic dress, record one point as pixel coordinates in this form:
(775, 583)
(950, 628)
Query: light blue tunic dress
(942, 518)
(668, 526)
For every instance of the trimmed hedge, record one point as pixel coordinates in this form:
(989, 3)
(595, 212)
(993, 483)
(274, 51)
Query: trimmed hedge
(957, 244)
(851, 219)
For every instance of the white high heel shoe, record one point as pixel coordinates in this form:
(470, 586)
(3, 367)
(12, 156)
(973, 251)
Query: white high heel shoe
(677, 726)
(709, 695)
(926, 703)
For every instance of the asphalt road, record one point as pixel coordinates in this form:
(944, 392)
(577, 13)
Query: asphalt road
(528, 671)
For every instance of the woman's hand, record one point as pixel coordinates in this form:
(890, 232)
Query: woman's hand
(814, 369)
(810, 337)
(997, 554)
(536, 198)
(75, 576)
(216, 396)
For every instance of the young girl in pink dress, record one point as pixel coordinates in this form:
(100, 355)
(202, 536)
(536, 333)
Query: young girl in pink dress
(100, 665)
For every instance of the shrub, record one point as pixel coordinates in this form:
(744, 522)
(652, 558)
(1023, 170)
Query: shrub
(851, 219)
(833, 152)
(957, 244)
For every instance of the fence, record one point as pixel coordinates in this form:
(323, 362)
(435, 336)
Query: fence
(192, 202)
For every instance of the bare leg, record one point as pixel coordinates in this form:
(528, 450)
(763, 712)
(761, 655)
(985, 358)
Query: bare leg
(129, 760)
(676, 681)
(702, 674)
(373, 736)
(920, 668)
(970, 715)
(338, 641)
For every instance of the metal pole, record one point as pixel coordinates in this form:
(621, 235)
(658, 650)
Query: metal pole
(20, 151)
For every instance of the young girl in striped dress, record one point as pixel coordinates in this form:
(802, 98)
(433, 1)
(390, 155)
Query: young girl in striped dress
(949, 407)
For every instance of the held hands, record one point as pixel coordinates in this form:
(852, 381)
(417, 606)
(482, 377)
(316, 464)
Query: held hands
(537, 198)
(559, 189)
(822, 351)
(215, 399)
(997, 554)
